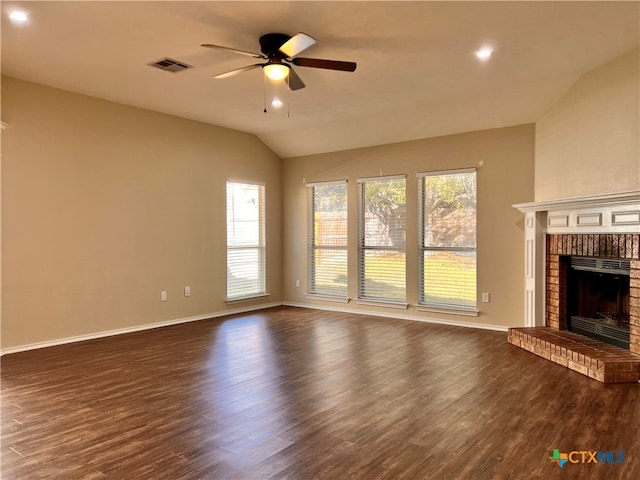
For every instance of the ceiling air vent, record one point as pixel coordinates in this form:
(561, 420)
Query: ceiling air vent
(170, 65)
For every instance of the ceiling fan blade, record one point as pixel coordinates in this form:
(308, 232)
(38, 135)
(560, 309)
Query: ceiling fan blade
(296, 44)
(241, 52)
(328, 64)
(236, 71)
(295, 82)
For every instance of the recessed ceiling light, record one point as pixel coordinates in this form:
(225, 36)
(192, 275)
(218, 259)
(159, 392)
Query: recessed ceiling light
(277, 103)
(18, 16)
(484, 53)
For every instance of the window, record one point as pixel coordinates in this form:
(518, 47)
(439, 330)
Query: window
(246, 250)
(328, 239)
(448, 239)
(382, 222)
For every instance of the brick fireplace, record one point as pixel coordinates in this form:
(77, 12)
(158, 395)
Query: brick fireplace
(604, 227)
(613, 246)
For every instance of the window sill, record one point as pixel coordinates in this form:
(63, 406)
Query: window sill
(382, 303)
(247, 298)
(327, 298)
(468, 312)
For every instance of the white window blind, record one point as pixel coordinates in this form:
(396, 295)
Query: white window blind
(382, 238)
(327, 239)
(448, 239)
(246, 251)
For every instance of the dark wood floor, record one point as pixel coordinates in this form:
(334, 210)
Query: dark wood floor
(291, 393)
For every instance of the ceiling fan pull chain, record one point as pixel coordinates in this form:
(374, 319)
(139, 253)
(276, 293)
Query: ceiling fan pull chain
(265, 92)
(288, 96)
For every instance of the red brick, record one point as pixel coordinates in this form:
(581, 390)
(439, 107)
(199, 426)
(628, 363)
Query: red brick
(597, 375)
(614, 245)
(577, 367)
(625, 377)
(559, 359)
(621, 367)
(628, 248)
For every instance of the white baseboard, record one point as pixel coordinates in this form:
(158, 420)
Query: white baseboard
(137, 328)
(166, 323)
(401, 316)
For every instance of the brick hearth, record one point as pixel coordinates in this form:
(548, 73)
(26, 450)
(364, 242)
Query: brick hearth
(598, 360)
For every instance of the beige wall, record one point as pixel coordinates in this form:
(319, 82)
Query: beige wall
(504, 158)
(588, 142)
(105, 205)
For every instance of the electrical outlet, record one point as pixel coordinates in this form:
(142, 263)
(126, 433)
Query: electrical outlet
(297, 283)
(485, 297)
(187, 291)
(163, 296)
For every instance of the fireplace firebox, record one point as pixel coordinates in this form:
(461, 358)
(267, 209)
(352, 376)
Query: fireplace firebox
(598, 296)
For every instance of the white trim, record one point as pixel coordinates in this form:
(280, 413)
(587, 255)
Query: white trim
(323, 184)
(469, 312)
(382, 303)
(208, 316)
(589, 219)
(400, 316)
(446, 172)
(327, 298)
(260, 183)
(588, 201)
(246, 298)
(558, 221)
(137, 328)
(380, 179)
(631, 217)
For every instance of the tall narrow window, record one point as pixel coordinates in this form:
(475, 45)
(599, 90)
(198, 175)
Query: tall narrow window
(448, 239)
(246, 251)
(382, 222)
(327, 234)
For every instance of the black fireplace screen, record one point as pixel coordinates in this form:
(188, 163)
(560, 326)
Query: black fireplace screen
(598, 304)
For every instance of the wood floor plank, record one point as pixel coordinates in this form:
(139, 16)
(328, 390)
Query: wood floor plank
(290, 393)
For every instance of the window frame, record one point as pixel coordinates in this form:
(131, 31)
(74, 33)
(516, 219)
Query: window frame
(362, 298)
(312, 247)
(444, 307)
(260, 246)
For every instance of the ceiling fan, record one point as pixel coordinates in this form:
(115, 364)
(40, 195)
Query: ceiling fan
(280, 50)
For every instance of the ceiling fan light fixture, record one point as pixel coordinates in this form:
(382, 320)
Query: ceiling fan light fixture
(276, 71)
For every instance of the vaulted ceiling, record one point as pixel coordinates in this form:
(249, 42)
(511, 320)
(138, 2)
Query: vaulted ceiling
(417, 74)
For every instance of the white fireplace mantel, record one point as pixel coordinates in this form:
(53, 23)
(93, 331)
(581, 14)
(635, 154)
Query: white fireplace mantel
(623, 198)
(594, 214)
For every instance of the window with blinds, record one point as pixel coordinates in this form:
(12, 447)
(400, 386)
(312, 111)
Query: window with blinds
(382, 237)
(246, 250)
(327, 235)
(447, 262)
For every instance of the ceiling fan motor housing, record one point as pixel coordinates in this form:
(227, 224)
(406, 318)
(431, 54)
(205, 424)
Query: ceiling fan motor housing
(271, 42)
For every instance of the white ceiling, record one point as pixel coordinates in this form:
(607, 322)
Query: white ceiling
(417, 75)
